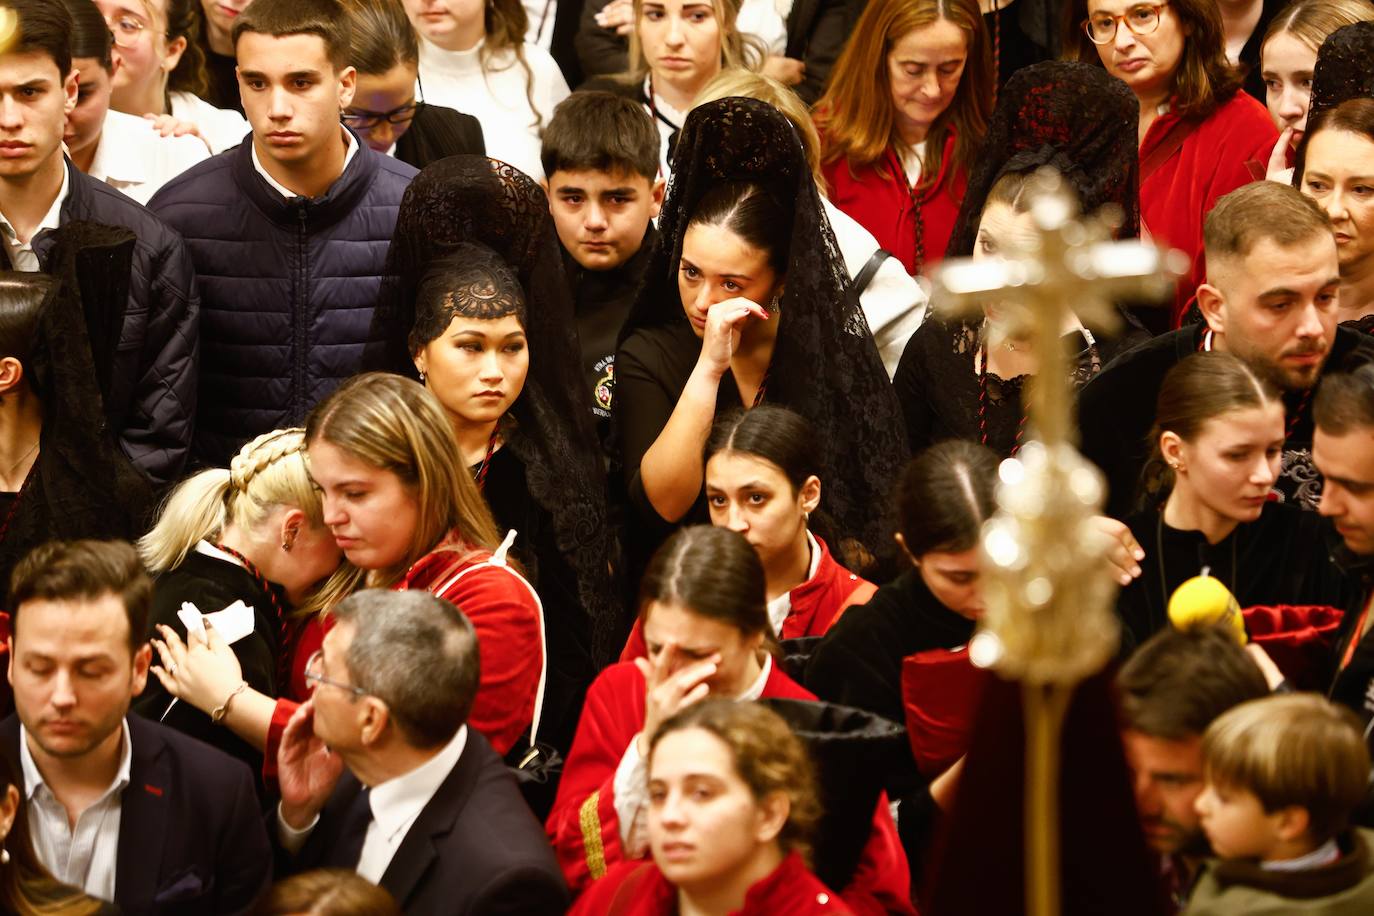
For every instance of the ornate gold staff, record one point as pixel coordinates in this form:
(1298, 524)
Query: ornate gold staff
(1048, 587)
(9, 28)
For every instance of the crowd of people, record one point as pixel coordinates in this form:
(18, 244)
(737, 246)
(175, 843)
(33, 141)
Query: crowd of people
(475, 458)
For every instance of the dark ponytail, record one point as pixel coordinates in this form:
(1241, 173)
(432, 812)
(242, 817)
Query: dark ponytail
(712, 572)
(945, 495)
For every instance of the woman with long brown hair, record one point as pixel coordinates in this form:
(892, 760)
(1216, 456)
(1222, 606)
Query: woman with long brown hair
(902, 120)
(474, 58)
(401, 506)
(1200, 135)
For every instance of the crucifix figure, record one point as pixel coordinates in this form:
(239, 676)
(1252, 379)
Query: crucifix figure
(1048, 587)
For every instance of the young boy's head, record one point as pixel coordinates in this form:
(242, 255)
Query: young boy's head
(600, 154)
(1283, 775)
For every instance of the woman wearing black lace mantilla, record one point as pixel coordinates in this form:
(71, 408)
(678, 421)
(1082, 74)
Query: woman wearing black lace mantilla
(960, 379)
(745, 303)
(480, 302)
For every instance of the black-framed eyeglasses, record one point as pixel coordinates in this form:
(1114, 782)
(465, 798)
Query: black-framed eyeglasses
(366, 120)
(1141, 19)
(313, 676)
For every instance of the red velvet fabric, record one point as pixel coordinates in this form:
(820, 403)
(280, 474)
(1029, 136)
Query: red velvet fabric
(1299, 638)
(816, 604)
(940, 690)
(1212, 161)
(640, 889)
(506, 618)
(879, 200)
(587, 842)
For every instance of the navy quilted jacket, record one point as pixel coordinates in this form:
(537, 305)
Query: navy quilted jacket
(150, 395)
(287, 287)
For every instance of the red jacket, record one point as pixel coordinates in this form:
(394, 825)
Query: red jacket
(1213, 160)
(585, 830)
(816, 604)
(878, 198)
(639, 889)
(505, 615)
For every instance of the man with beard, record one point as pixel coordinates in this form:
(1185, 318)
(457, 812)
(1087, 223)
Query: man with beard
(1170, 690)
(1343, 451)
(125, 809)
(1270, 298)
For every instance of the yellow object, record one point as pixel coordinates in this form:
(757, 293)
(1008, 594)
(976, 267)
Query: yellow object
(9, 28)
(1203, 599)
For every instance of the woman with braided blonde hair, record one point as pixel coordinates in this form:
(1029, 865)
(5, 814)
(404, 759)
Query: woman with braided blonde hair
(254, 533)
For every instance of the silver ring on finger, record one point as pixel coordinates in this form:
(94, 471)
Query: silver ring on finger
(172, 669)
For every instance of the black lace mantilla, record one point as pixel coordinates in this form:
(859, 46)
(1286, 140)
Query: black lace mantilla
(1344, 68)
(825, 365)
(468, 203)
(1073, 116)
(476, 284)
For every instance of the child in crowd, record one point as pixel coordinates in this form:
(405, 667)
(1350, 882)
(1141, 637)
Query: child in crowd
(600, 153)
(1283, 776)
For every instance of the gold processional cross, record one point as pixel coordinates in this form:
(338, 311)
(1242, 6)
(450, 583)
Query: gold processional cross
(1047, 584)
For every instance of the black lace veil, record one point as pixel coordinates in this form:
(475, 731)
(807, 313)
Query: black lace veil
(82, 485)
(1345, 68)
(1075, 117)
(468, 205)
(825, 365)
(472, 281)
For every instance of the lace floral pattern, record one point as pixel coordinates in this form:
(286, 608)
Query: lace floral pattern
(825, 365)
(468, 203)
(1343, 70)
(475, 283)
(1073, 116)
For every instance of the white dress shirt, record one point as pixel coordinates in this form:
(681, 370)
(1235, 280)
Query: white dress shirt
(85, 856)
(286, 192)
(22, 255)
(222, 128)
(632, 781)
(133, 158)
(781, 606)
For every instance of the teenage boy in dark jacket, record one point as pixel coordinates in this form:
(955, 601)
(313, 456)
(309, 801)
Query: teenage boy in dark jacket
(288, 232)
(600, 153)
(149, 387)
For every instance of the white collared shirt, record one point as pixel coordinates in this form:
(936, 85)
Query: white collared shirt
(397, 802)
(22, 255)
(286, 192)
(133, 158)
(781, 606)
(85, 856)
(632, 781)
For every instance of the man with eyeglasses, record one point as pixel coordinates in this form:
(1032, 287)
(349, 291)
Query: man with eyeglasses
(289, 230)
(425, 808)
(150, 390)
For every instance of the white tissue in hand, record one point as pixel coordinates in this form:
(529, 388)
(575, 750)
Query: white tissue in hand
(233, 623)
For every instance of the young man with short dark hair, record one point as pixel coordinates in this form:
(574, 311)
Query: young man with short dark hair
(1270, 298)
(289, 232)
(126, 809)
(150, 395)
(600, 153)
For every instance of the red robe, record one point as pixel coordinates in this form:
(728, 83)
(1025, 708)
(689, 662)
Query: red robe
(639, 889)
(816, 603)
(585, 830)
(506, 617)
(1213, 160)
(878, 198)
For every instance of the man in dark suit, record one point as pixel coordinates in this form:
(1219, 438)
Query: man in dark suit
(427, 810)
(123, 808)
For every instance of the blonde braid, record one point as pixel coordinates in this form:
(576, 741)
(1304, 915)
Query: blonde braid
(262, 452)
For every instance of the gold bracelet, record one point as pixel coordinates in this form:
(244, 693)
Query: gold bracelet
(217, 716)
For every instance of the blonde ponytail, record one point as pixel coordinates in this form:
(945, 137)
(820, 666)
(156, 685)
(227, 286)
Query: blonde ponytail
(192, 513)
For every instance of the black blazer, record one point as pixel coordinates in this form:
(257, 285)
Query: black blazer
(191, 839)
(437, 133)
(475, 848)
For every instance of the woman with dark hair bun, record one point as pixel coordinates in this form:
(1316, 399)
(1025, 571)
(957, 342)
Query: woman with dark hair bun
(744, 847)
(705, 623)
(1200, 135)
(763, 480)
(1219, 433)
